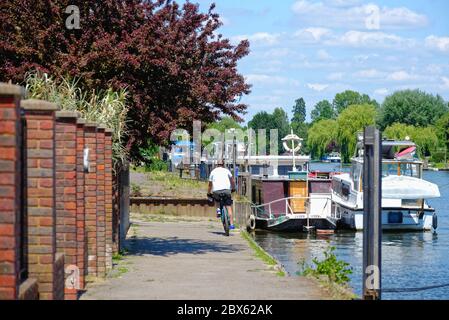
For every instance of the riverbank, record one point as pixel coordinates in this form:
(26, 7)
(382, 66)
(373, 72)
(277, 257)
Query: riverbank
(191, 259)
(165, 184)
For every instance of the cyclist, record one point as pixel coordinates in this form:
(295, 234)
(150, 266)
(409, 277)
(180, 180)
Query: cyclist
(221, 181)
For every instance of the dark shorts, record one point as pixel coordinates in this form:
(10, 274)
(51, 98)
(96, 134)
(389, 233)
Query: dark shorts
(227, 198)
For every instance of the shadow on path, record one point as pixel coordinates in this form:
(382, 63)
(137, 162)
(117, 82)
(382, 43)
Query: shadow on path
(170, 246)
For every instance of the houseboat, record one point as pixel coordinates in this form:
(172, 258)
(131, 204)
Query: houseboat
(298, 202)
(404, 192)
(286, 196)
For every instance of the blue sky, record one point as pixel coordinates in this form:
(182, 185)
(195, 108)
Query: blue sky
(315, 49)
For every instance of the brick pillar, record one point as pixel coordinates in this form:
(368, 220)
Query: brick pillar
(90, 197)
(81, 236)
(108, 195)
(101, 218)
(42, 263)
(10, 190)
(115, 210)
(66, 201)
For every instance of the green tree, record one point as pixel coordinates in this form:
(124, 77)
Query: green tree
(322, 110)
(398, 131)
(224, 124)
(277, 120)
(280, 119)
(298, 124)
(442, 128)
(302, 131)
(299, 111)
(412, 107)
(352, 120)
(322, 136)
(347, 98)
(425, 138)
(261, 120)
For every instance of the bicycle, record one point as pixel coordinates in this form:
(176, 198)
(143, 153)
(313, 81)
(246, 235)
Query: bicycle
(223, 212)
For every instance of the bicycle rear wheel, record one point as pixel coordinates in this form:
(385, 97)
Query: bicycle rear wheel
(225, 220)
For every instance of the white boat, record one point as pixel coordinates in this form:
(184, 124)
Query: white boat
(404, 192)
(332, 157)
(298, 202)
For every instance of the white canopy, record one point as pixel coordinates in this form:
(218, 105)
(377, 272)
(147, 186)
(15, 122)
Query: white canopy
(404, 187)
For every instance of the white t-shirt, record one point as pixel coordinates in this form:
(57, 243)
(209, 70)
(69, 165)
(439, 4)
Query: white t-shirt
(220, 179)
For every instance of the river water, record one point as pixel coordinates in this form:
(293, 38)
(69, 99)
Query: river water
(409, 260)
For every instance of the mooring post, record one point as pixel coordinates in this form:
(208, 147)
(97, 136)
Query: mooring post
(372, 224)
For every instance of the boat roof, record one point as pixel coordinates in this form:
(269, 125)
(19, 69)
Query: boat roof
(389, 150)
(389, 147)
(398, 143)
(388, 160)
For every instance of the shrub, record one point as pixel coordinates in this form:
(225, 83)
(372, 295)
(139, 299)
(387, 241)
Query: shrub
(156, 165)
(136, 191)
(337, 271)
(103, 107)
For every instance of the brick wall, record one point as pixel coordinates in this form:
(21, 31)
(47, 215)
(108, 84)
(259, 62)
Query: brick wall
(40, 122)
(10, 190)
(67, 211)
(66, 185)
(101, 218)
(80, 213)
(90, 196)
(108, 195)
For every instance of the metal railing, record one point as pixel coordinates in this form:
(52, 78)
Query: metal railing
(260, 211)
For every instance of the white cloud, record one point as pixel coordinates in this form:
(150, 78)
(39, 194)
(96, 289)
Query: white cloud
(265, 79)
(402, 17)
(323, 55)
(350, 14)
(439, 43)
(361, 58)
(259, 38)
(374, 39)
(381, 92)
(277, 53)
(342, 3)
(369, 74)
(354, 38)
(445, 83)
(335, 76)
(317, 86)
(401, 76)
(312, 34)
(434, 69)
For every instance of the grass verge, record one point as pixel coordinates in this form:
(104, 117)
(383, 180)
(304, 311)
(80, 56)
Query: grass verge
(263, 255)
(336, 291)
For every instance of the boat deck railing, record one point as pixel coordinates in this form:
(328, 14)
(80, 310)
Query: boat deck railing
(266, 210)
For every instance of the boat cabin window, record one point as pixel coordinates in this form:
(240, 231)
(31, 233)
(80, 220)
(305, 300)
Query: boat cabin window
(345, 190)
(412, 203)
(401, 169)
(356, 174)
(341, 188)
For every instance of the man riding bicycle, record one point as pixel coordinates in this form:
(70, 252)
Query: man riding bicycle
(222, 182)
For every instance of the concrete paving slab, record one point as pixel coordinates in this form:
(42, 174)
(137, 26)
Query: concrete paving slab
(195, 261)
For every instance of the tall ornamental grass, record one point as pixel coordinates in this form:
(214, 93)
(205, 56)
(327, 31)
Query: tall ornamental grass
(106, 107)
